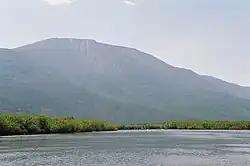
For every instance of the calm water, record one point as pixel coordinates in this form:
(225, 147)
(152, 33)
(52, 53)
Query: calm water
(129, 148)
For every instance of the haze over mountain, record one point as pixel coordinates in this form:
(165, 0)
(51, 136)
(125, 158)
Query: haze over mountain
(84, 78)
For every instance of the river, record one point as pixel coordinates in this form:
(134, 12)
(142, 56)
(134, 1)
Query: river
(129, 148)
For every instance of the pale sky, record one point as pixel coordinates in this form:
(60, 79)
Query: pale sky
(211, 37)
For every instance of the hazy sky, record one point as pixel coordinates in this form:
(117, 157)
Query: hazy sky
(211, 37)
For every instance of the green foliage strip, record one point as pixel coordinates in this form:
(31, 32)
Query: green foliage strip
(21, 124)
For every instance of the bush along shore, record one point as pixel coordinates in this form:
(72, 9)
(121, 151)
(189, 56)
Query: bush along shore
(23, 124)
(191, 125)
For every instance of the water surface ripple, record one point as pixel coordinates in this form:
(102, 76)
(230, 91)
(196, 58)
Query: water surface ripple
(129, 148)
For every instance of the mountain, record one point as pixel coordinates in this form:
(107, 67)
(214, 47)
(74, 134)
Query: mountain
(88, 79)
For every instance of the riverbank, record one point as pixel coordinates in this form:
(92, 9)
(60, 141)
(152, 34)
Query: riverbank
(192, 125)
(210, 125)
(23, 124)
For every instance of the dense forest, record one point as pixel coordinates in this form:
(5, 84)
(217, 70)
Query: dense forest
(21, 124)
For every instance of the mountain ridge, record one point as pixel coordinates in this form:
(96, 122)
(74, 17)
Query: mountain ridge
(124, 47)
(90, 79)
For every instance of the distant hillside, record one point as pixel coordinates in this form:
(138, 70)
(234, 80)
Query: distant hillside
(93, 80)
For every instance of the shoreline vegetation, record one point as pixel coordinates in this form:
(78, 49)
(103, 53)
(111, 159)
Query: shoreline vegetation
(25, 124)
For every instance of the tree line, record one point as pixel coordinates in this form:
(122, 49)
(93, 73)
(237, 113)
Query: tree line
(21, 124)
(191, 125)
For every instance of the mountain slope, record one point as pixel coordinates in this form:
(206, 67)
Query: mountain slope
(230, 88)
(95, 80)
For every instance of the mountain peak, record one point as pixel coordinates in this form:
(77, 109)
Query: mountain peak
(70, 40)
(63, 43)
